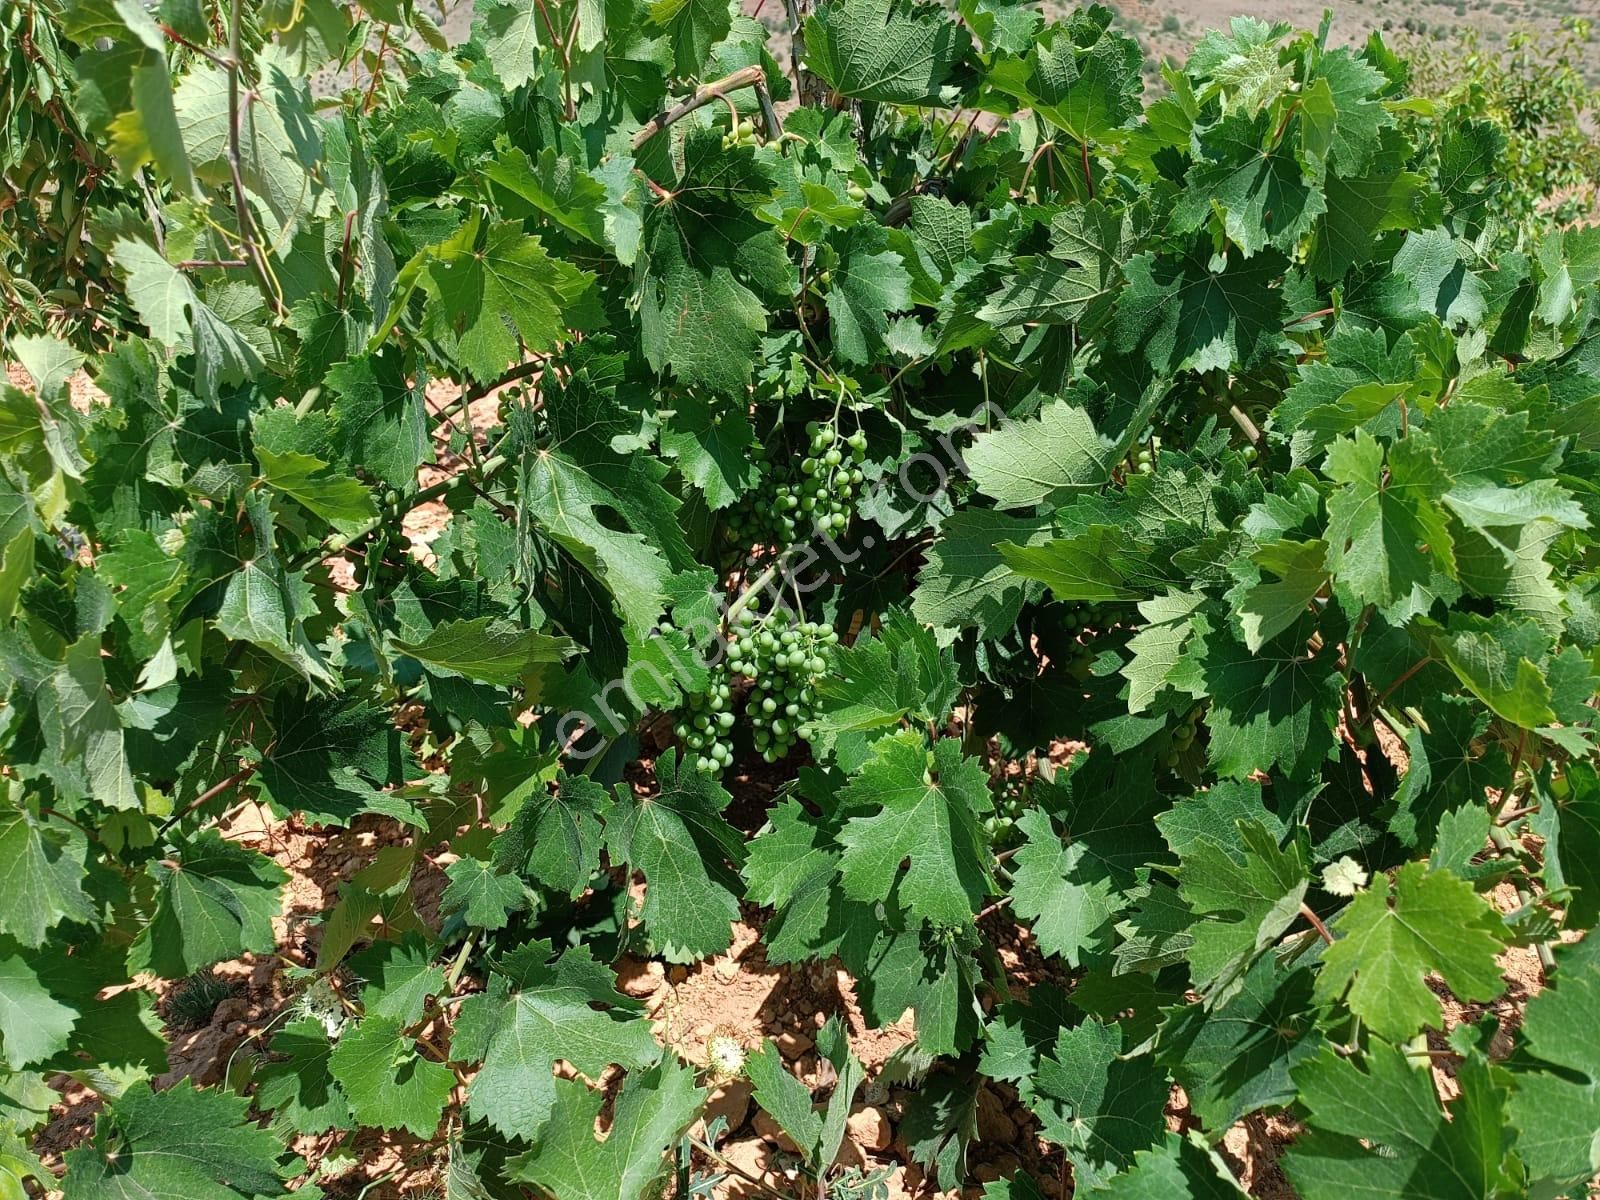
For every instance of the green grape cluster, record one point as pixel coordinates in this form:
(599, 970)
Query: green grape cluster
(1011, 803)
(742, 134)
(815, 494)
(1083, 622)
(1143, 458)
(781, 657)
(1182, 737)
(706, 724)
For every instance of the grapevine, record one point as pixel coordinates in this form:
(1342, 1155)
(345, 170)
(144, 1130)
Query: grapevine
(595, 603)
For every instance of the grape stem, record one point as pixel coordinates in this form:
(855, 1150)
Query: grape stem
(749, 594)
(1245, 424)
(706, 93)
(1507, 849)
(993, 908)
(211, 793)
(1316, 923)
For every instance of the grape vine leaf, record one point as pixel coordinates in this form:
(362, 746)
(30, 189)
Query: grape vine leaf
(1062, 889)
(787, 855)
(1081, 75)
(1435, 266)
(567, 501)
(534, 1012)
(689, 856)
(1196, 314)
(496, 290)
(166, 302)
(927, 805)
(965, 582)
(1179, 1168)
(877, 683)
(34, 1025)
(872, 50)
(338, 499)
(41, 880)
(382, 421)
(1377, 1129)
(397, 978)
(1557, 1111)
(184, 1141)
(1247, 893)
(1570, 827)
(1499, 662)
(17, 1162)
(712, 449)
(509, 31)
(870, 284)
(554, 836)
(1260, 188)
(1275, 708)
(651, 1113)
(556, 186)
(488, 649)
(388, 1081)
(692, 27)
(1390, 940)
(214, 900)
(1025, 462)
(298, 1088)
(1387, 534)
(327, 757)
(1098, 1106)
(1074, 282)
(1266, 608)
(485, 897)
(788, 1100)
(1444, 771)
(1382, 196)
(1237, 1058)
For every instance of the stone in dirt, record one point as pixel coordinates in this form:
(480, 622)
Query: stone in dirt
(868, 1126)
(731, 1101)
(994, 1124)
(754, 1158)
(636, 979)
(770, 1131)
(792, 1045)
(1001, 1168)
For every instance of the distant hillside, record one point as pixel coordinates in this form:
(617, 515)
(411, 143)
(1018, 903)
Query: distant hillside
(1169, 27)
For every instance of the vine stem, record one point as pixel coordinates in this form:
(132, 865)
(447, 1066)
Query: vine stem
(460, 964)
(750, 593)
(1316, 923)
(247, 225)
(706, 93)
(211, 793)
(1506, 848)
(993, 908)
(1245, 424)
(1027, 173)
(1372, 711)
